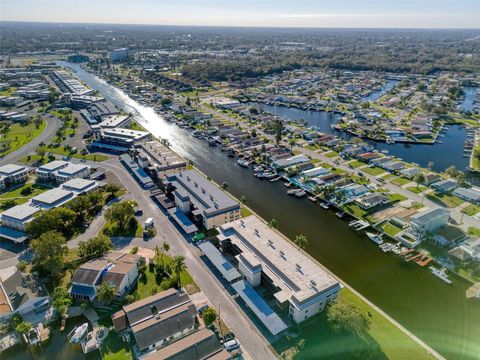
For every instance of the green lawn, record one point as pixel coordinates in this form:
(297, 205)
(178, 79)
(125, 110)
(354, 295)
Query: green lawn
(112, 230)
(448, 200)
(245, 211)
(391, 229)
(16, 192)
(331, 154)
(113, 348)
(18, 136)
(396, 197)
(475, 231)
(417, 190)
(401, 181)
(355, 210)
(375, 171)
(153, 281)
(383, 340)
(8, 92)
(60, 150)
(355, 164)
(471, 209)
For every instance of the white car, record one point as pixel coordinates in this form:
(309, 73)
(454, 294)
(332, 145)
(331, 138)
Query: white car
(231, 345)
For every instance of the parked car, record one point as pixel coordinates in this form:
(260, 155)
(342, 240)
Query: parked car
(231, 345)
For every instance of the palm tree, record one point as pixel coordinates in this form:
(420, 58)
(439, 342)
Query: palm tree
(158, 253)
(106, 292)
(419, 178)
(165, 248)
(301, 241)
(178, 266)
(273, 223)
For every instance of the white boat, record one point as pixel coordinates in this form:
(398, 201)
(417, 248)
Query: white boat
(78, 333)
(376, 238)
(441, 274)
(324, 205)
(300, 193)
(243, 163)
(292, 191)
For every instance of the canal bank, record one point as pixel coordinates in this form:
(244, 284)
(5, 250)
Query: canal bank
(437, 313)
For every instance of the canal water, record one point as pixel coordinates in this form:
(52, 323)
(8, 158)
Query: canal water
(469, 97)
(374, 96)
(443, 155)
(436, 312)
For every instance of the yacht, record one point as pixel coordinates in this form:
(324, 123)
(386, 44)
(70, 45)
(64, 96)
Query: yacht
(376, 238)
(441, 274)
(78, 333)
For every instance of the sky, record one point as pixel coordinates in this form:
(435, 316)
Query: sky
(271, 13)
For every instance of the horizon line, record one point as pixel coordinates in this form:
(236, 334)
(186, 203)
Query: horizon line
(236, 26)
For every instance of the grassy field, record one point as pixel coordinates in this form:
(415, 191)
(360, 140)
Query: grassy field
(20, 135)
(153, 281)
(60, 150)
(113, 348)
(331, 154)
(471, 209)
(396, 197)
(416, 190)
(383, 340)
(245, 211)
(16, 192)
(110, 229)
(391, 229)
(355, 164)
(373, 171)
(401, 181)
(448, 200)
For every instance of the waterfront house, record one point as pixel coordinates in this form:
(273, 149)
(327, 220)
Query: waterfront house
(201, 345)
(265, 258)
(372, 200)
(116, 268)
(428, 221)
(409, 173)
(158, 320)
(431, 178)
(469, 250)
(280, 164)
(444, 186)
(471, 195)
(318, 171)
(22, 294)
(199, 198)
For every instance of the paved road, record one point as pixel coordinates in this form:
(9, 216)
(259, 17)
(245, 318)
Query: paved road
(52, 126)
(253, 343)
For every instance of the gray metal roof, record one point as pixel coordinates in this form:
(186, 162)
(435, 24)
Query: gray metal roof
(218, 260)
(261, 309)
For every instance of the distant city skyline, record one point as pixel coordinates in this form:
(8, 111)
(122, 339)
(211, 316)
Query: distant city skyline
(269, 13)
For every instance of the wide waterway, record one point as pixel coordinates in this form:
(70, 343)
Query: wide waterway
(448, 152)
(436, 312)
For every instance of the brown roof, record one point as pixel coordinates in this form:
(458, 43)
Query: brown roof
(122, 268)
(202, 344)
(85, 276)
(95, 265)
(119, 320)
(4, 305)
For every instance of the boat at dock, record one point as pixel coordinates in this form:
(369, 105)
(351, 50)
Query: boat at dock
(243, 163)
(312, 199)
(275, 179)
(376, 238)
(292, 191)
(78, 333)
(340, 214)
(441, 274)
(324, 205)
(300, 193)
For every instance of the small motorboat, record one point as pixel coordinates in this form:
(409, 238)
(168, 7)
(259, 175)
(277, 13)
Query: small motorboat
(78, 333)
(243, 163)
(300, 193)
(376, 238)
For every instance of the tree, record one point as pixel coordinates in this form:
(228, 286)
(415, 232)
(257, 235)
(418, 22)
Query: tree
(224, 185)
(273, 223)
(419, 179)
(430, 165)
(111, 189)
(61, 300)
(291, 142)
(178, 266)
(121, 214)
(301, 241)
(278, 128)
(59, 219)
(209, 316)
(243, 199)
(165, 249)
(343, 316)
(94, 247)
(23, 327)
(106, 292)
(49, 253)
(41, 151)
